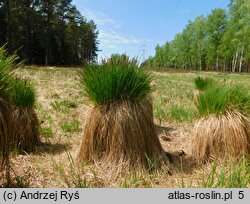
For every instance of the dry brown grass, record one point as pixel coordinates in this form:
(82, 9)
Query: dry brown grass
(122, 133)
(26, 129)
(197, 94)
(226, 137)
(5, 137)
(55, 170)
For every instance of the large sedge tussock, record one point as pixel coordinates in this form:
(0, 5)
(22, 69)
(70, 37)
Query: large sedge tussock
(18, 121)
(7, 65)
(119, 128)
(122, 133)
(223, 130)
(225, 136)
(26, 124)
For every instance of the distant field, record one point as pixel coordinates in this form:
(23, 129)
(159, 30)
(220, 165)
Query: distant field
(62, 108)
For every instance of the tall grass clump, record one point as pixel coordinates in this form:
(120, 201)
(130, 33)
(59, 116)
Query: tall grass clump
(119, 128)
(221, 98)
(7, 65)
(26, 124)
(223, 130)
(201, 84)
(115, 84)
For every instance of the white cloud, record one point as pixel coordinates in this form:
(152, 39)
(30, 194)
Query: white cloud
(113, 42)
(100, 19)
(112, 39)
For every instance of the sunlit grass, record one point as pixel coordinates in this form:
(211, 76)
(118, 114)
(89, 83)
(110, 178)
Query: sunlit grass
(171, 90)
(220, 98)
(106, 84)
(23, 94)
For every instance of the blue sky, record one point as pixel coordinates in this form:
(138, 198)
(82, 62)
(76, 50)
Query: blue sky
(135, 27)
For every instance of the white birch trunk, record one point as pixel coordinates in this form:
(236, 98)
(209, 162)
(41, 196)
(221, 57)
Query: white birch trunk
(235, 61)
(217, 63)
(241, 58)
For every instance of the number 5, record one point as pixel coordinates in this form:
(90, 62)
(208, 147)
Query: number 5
(241, 195)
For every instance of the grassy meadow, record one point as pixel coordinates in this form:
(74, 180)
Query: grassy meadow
(62, 108)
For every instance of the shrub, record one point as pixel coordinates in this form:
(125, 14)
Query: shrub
(122, 60)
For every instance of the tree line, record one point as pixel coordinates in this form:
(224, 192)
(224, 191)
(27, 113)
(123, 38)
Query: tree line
(47, 32)
(219, 41)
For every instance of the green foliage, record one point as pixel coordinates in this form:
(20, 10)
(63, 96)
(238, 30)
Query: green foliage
(237, 176)
(121, 60)
(73, 126)
(219, 41)
(7, 65)
(23, 94)
(202, 83)
(159, 112)
(136, 180)
(51, 32)
(46, 132)
(115, 82)
(220, 98)
(63, 105)
(74, 176)
(179, 113)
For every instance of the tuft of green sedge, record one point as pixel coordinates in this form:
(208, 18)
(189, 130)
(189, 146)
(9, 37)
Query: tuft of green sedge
(219, 99)
(23, 94)
(104, 84)
(202, 83)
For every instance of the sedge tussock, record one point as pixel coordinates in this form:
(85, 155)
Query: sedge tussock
(6, 121)
(120, 128)
(7, 65)
(26, 128)
(225, 136)
(122, 133)
(26, 124)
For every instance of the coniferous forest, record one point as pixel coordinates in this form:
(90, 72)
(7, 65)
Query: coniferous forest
(47, 32)
(219, 41)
